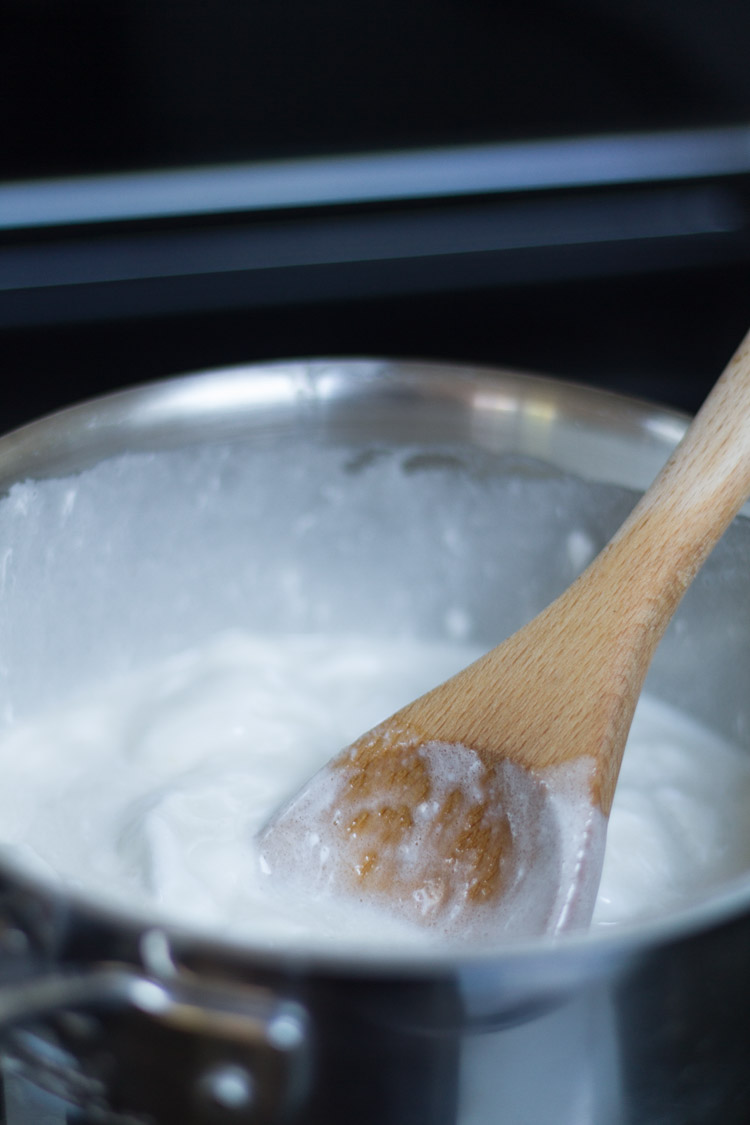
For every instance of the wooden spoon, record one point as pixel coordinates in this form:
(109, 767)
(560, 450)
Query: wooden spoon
(481, 808)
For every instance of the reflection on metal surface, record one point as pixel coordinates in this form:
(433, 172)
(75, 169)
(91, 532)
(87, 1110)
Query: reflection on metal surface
(226, 393)
(377, 177)
(541, 411)
(495, 403)
(666, 428)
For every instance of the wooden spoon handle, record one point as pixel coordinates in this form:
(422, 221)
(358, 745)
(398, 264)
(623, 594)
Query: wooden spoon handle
(701, 488)
(566, 685)
(597, 639)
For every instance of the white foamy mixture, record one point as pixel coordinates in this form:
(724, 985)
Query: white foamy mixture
(152, 791)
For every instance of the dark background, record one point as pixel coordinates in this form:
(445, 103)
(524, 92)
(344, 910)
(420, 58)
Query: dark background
(92, 87)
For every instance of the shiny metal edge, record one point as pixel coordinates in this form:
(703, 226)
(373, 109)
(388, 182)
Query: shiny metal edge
(349, 179)
(496, 408)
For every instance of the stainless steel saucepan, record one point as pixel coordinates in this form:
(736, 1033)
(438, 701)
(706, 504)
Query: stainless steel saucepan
(113, 1015)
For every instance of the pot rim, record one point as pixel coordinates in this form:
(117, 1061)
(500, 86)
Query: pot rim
(580, 953)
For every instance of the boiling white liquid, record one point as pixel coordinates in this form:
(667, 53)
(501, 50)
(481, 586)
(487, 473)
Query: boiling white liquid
(151, 792)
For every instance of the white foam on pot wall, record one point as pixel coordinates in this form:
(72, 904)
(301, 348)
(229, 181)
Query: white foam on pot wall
(147, 553)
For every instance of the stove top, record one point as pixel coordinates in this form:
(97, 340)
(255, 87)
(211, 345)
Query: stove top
(561, 187)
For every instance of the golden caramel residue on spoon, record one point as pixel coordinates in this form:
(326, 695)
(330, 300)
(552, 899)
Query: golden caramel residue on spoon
(388, 781)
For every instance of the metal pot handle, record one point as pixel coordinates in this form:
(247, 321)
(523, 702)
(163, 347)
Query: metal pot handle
(268, 1033)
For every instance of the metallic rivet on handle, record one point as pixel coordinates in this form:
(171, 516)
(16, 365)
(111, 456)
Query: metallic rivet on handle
(286, 1029)
(227, 1087)
(157, 954)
